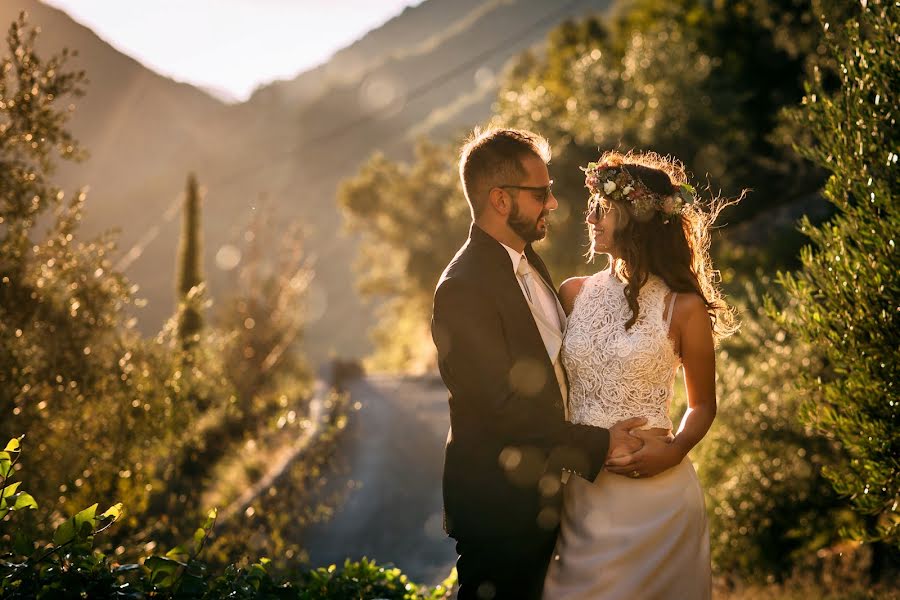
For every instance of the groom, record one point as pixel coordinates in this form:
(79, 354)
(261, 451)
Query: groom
(498, 329)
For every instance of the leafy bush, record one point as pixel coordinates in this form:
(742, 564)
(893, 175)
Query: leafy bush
(70, 566)
(113, 414)
(847, 294)
(770, 508)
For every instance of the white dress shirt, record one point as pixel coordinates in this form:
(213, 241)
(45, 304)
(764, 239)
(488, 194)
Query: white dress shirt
(545, 296)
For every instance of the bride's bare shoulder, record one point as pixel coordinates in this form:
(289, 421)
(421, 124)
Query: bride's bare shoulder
(569, 290)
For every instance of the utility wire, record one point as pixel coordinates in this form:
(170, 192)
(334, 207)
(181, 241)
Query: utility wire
(337, 132)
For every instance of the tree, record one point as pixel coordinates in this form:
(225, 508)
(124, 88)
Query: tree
(770, 508)
(414, 218)
(263, 321)
(847, 292)
(679, 78)
(190, 275)
(74, 376)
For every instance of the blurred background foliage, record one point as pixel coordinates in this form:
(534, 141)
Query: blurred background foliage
(791, 99)
(110, 415)
(775, 97)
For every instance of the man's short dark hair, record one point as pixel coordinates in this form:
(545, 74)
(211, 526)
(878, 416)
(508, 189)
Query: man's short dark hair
(494, 157)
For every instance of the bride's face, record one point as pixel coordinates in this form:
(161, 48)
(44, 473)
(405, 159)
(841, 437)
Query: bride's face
(602, 218)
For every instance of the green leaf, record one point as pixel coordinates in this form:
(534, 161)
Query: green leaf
(10, 489)
(65, 533)
(113, 512)
(81, 525)
(163, 570)
(178, 553)
(199, 536)
(211, 518)
(85, 520)
(23, 501)
(161, 564)
(192, 586)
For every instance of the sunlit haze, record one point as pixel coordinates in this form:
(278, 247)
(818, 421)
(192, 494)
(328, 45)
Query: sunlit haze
(230, 47)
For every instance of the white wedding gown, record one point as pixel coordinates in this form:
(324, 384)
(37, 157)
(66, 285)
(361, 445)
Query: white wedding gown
(623, 538)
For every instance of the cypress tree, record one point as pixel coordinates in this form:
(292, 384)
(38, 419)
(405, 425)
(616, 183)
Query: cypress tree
(190, 320)
(846, 297)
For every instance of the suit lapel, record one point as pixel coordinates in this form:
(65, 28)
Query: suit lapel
(512, 300)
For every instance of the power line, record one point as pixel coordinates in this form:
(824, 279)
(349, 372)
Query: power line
(414, 94)
(435, 82)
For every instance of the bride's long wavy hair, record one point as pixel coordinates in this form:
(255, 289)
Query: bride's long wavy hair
(673, 247)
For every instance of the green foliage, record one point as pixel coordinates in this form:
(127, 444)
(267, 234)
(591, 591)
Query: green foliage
(677, 78)
(11, 499)
(265, 317)
(771, 509)
(365, 579)
(805, 587)
(71, 567)
(413, 218)
(273, 522)
(113, 416)
(847, 294)
(73, 373)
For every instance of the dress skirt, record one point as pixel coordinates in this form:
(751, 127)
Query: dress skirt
(627, 539)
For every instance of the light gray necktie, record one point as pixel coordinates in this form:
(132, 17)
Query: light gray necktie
(527, 274)
(552, 341)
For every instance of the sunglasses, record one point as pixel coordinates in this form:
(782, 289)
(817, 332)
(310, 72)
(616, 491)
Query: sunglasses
(598, 207)
(541, 193)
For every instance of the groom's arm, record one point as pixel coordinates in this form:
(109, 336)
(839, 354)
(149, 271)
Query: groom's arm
(476, 367)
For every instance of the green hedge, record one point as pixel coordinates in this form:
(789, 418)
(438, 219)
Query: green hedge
(70, 566)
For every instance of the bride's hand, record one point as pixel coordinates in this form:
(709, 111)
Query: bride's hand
(657, 455)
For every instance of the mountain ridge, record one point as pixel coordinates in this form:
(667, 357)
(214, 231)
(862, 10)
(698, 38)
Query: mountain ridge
(291, 142)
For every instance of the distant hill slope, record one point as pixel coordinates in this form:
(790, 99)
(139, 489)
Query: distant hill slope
(429, 70)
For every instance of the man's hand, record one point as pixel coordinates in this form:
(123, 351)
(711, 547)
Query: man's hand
(657, 454)
(621, 440)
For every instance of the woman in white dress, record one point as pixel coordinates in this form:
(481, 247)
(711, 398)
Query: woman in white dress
(639, 531)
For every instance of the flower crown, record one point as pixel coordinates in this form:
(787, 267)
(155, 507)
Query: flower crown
(616, 183)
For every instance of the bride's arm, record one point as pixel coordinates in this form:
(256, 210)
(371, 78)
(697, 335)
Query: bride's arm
(568, 291)
(698, 359)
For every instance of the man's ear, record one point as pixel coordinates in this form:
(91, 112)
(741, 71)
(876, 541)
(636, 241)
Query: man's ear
(499, 201)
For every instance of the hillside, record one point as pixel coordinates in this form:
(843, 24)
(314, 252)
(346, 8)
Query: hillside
(432, 69)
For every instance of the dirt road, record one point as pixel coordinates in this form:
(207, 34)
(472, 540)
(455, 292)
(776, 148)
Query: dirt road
(392, 512)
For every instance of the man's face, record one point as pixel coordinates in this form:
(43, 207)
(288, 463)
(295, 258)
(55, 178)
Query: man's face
(530, 208)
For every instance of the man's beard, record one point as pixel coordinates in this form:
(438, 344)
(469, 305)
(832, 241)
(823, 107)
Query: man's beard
(526, 229)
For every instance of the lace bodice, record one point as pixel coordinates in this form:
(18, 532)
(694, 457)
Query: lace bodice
(616, 374)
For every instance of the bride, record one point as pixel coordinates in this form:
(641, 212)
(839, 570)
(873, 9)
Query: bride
(639, 530)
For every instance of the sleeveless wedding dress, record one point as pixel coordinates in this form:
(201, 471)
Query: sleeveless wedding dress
(623, 538)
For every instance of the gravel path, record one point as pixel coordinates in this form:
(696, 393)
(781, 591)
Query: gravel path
(395, 457)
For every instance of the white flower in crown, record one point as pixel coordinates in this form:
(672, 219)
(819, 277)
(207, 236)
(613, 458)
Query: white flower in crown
(609, 187)
(627, 190)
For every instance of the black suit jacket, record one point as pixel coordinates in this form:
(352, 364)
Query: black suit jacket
(509, 441)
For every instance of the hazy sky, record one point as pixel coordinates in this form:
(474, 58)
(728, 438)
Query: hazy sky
(231, 46)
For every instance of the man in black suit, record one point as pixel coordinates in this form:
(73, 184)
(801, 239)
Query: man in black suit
(498, 328)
